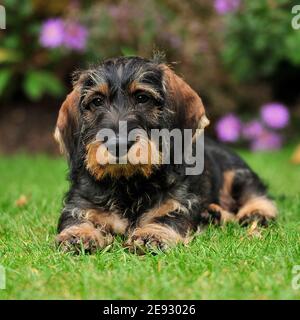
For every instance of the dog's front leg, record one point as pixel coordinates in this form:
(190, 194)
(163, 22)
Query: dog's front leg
(161, 228)
(88, 229)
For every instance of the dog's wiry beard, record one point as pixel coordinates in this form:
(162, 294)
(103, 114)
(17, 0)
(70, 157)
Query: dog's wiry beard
(103, 168)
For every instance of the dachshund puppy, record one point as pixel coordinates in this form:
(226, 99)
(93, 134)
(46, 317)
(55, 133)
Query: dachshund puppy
(154, 204)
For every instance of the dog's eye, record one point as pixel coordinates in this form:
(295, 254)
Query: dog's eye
(96, 102)
(142, 98)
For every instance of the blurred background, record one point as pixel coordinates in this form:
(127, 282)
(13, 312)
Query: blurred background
(242, 57)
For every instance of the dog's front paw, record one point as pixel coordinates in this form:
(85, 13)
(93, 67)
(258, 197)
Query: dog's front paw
(144, 242)
(152, 238)
(83, 236)
(254, 216)
(258, 209)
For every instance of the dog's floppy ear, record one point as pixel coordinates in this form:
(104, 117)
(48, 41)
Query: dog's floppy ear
(188, 105)
(67, 125)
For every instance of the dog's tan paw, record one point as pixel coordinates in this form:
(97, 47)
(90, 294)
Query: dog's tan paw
(152, 238)
(145, 242)
(218, 215)
(259, 209)
(255, 216)
(83, 236)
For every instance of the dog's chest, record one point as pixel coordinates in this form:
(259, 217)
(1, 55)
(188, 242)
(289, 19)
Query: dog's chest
(131, 200)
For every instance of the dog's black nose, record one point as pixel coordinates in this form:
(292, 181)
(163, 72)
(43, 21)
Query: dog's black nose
(118, 146)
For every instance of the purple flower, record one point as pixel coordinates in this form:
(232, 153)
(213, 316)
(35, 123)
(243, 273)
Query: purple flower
(268, 140)
(226, 6)
(252, 130)
(75, 36)
(52, 33)
(275, 115)
(228, 128)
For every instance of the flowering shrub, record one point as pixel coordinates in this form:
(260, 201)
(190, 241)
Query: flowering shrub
(226, 6)
(36, 54)
(258, 132)
(252, 130)
(75, 36)
(59, 33)
(52, 32)
(258, 37)
(267, 141)
(48, 40)
(229, 128)
(275, 115)
(212, 40)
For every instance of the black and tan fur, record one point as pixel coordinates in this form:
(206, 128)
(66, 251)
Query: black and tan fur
(152, 206)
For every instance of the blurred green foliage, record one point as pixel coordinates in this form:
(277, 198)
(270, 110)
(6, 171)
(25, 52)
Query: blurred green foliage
(25, 67)
(210, 48)
(36, 83)
(260, 36)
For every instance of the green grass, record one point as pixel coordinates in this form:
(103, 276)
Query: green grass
(221, 263)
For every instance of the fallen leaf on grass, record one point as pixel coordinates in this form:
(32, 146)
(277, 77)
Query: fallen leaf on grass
(22, 201)
(34, 271)
(296, 156)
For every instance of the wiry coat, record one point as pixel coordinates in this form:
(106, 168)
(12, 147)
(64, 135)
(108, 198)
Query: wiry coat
(154, 206)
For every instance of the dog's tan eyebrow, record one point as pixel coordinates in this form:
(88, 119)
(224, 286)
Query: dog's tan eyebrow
(103, 89)
(138, 86)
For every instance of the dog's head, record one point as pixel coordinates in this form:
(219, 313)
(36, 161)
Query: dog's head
(108, 116)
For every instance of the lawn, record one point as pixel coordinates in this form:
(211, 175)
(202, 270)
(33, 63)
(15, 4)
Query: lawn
(221, 263)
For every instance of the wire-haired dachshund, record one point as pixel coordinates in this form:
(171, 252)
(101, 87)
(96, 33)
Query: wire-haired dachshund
(154, 205)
